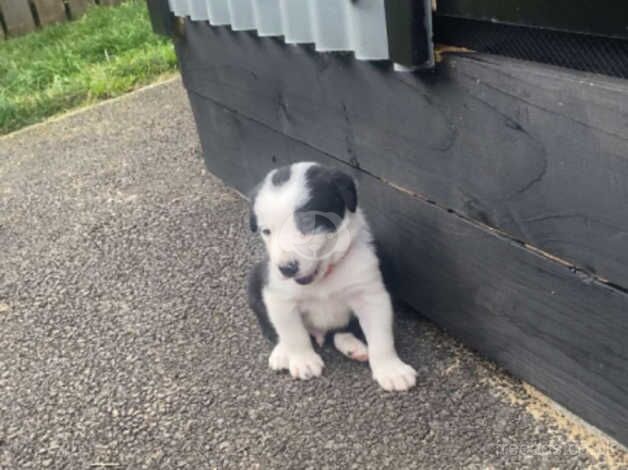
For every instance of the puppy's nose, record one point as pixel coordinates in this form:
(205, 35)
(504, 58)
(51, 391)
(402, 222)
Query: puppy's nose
(289, 269)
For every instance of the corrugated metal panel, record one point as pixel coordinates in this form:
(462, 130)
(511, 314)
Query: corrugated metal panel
(218, 11)
(198, 10)
(267, 17)
(295, 17)
(179, 7)
(241, 14)
(332, 25)
(369, 39)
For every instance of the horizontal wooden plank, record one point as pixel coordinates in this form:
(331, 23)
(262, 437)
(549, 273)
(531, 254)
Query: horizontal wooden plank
(17, 16)
(50, 11)
(535, 151)
(557, 329)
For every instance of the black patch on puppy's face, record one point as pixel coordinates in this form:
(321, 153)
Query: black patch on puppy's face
(281, 175)
(332, 192)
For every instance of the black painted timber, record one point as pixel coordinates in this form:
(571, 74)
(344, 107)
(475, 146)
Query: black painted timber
(535, 151)
(557, 329)
(439, 159)
(162, 20)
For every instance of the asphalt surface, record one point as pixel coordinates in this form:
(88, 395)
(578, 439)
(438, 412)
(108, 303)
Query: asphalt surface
(126, 341)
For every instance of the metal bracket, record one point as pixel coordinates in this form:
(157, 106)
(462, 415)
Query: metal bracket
(409, 26)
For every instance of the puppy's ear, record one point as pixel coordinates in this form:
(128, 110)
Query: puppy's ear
(252, 217)
(346, 187)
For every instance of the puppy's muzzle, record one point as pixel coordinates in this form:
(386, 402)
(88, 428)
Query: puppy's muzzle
(289, 269)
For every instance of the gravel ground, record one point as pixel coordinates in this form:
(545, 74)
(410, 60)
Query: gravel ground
(126, 341)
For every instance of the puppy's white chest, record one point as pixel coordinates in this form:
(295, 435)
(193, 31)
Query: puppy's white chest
(324, 313)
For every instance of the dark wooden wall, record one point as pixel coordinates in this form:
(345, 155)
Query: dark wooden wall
(466, 173)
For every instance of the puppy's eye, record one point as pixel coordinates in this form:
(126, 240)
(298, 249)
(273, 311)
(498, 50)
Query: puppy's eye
(266, 232)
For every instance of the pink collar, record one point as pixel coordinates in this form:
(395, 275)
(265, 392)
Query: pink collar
(332, 266)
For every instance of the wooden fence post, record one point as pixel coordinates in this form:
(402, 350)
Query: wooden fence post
(79, 7)
(50, 11)
(17, 17)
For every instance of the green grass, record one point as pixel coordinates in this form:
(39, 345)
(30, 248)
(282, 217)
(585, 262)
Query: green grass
(107, 52)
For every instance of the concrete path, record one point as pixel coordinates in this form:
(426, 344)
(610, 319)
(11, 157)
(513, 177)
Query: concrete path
(126, 341)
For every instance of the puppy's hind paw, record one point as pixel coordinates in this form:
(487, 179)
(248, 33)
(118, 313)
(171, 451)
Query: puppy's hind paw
(351, 347)
(319, 337)
(394, 375)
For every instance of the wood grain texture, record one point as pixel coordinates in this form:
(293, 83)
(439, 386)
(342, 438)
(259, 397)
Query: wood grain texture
(50, 11)
(535, 151)
(557, 329)
(17, 15)
(79, 7)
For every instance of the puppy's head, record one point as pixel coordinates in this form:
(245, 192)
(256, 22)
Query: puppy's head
(302, 212)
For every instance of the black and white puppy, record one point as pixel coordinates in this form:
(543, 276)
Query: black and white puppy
(321, 273)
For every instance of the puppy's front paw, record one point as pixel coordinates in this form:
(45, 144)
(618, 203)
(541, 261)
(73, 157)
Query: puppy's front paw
(394, 375)
(306, 365)
(278, 359)
(303, 365)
